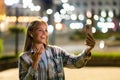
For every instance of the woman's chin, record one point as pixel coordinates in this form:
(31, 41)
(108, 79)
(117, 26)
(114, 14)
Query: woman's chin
(44, 42)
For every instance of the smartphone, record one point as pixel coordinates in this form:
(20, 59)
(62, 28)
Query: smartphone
(88, 29)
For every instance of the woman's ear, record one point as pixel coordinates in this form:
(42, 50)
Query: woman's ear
(31, 35)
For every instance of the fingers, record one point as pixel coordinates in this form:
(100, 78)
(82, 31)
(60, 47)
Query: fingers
(37, 55)
(39, 50)
(90, 41)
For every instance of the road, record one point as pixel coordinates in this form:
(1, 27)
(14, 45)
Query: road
(86, 73)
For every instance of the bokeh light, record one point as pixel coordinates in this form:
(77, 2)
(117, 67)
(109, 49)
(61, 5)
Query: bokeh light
(81, 17)
(50, 29)
(102, 44)
(49, 11)
(11, 2)
(76, 25)
(58, 26)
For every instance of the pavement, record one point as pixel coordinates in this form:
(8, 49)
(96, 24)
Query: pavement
(85, 73)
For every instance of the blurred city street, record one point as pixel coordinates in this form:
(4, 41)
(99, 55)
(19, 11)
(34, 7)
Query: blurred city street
(86, 73)
(66, 29)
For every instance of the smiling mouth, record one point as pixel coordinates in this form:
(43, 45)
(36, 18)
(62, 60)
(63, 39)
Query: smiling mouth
(43, 38)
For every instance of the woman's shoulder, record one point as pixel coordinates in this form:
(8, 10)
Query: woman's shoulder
(54, 47)
(25, 55)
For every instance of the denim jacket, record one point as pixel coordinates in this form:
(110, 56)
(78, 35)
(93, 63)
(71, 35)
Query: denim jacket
(57, 58)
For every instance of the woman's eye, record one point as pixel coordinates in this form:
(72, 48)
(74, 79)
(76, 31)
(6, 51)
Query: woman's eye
(46, 30)
(39, 30)
(43, 30)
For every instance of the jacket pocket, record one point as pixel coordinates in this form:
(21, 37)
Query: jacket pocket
(58, 67)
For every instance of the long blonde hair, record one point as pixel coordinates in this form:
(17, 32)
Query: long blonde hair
(29, 39)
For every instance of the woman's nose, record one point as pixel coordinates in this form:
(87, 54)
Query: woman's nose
(45, 32)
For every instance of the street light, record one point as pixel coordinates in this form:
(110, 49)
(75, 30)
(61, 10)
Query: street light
(51, 23)
(11, 3)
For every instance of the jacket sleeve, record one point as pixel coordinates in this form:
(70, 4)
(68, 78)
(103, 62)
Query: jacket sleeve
(26, 72)
(75, 61)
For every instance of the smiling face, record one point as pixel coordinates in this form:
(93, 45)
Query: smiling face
(40, 33)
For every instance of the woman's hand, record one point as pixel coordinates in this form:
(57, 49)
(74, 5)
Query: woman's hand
(90, 42)
(36, 57)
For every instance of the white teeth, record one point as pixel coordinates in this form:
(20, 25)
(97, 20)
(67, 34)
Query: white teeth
(43, 37)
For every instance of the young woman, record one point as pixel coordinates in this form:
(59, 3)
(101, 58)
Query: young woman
(41, 61)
